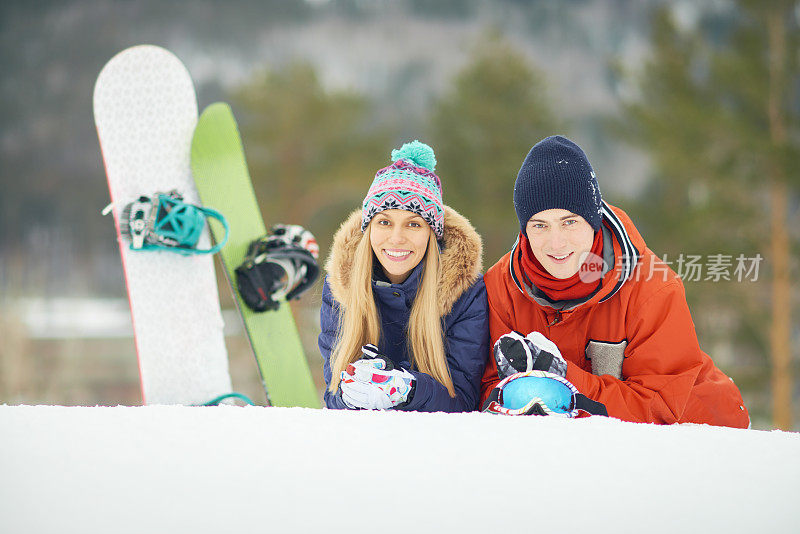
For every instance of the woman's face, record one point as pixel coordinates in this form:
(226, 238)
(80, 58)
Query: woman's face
(399, 239)
(560, 240)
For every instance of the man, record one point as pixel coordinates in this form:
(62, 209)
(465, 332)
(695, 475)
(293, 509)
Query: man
(582, 298)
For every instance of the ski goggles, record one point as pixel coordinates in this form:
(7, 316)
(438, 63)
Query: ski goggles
(540, 393)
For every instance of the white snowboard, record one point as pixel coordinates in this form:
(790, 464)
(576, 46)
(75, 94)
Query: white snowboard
(145, 111)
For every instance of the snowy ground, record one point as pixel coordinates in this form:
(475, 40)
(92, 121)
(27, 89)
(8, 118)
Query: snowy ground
(253, 469)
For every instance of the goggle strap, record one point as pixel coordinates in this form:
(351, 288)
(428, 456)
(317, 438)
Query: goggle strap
(584, 403)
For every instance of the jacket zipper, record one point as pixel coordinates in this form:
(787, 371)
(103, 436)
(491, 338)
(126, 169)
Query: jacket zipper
(556, 319)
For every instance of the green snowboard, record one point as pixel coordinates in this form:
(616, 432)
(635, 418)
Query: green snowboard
(220, 173)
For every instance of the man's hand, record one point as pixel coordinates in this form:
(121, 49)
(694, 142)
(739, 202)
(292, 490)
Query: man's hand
(515, 353)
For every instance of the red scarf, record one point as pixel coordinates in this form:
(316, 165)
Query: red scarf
(558, 289)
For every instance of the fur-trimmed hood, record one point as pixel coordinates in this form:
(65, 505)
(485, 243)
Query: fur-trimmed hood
(461, 257)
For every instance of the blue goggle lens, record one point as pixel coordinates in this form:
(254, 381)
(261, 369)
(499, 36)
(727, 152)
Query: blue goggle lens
(518, 392)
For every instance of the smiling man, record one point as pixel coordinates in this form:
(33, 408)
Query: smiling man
(576, 301)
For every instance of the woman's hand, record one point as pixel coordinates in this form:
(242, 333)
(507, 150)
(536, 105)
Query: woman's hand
(373, 383)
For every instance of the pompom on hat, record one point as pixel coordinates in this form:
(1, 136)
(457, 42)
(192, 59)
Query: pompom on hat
(557, 175)
(410, 184)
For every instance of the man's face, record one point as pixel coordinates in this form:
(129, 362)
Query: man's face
(560, 241)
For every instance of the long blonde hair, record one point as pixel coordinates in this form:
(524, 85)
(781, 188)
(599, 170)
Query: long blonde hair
(360, 324)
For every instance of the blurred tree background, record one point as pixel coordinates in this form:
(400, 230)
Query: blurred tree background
(687, 110)
(718, 113)
(307, 148)
(482, 129)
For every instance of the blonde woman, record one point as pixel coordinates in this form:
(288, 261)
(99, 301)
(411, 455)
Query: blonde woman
(404, 313)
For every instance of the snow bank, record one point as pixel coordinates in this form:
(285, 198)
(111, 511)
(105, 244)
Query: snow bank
(253, 469)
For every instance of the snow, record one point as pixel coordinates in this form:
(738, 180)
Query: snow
(253, 469)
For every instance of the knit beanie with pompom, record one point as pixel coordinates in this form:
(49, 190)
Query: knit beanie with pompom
(407, 184)
(557, 175)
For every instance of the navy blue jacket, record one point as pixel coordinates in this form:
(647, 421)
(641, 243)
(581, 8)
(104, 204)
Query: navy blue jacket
(465, 323)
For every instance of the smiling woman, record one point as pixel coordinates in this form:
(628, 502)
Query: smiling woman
(399, 240)
(404, 312)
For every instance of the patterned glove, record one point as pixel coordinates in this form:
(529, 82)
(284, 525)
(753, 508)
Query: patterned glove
(373, 383)
(515, 353)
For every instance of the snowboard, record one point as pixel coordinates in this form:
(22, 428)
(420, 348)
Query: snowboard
(223, 182)
(145, 111)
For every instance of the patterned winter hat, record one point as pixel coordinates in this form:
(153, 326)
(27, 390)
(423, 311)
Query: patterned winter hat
(407, 184)
(557, 175)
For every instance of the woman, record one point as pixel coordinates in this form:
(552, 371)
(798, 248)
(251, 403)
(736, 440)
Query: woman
(404, 314)
(581, 297)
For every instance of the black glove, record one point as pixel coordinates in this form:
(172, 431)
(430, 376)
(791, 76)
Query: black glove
(515, 353)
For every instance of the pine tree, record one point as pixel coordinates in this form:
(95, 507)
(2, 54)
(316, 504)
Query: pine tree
(718, 119)
(482, 129)
(311, 152)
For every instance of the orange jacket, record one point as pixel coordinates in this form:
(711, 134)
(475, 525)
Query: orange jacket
(631, 346)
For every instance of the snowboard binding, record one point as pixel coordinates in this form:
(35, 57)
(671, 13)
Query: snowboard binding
(282, 264)
(165, 222)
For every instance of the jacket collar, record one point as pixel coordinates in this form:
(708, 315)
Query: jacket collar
(409, 286)
(460, 267)
(621, 253)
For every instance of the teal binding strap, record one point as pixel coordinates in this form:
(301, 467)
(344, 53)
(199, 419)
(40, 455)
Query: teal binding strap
(177, 226)
(218, 216)
(215, 401)
(178, 223)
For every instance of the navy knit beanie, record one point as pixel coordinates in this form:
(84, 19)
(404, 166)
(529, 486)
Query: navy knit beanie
(557, 175)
